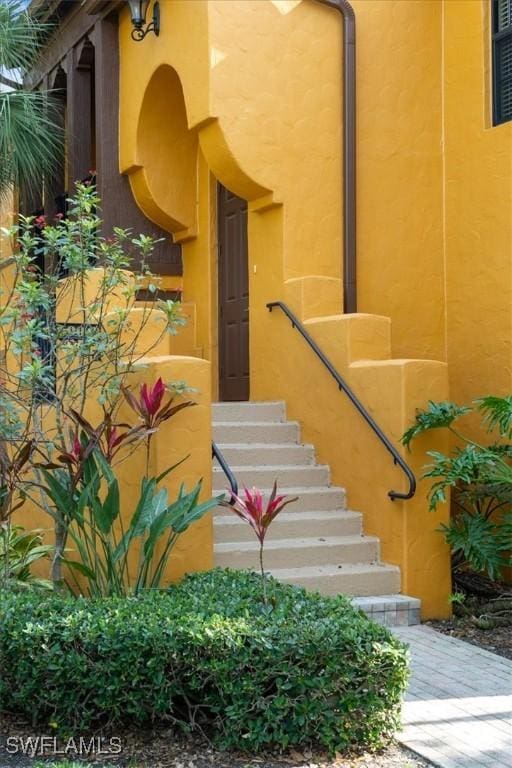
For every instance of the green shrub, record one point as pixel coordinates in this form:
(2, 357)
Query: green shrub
(301, 670)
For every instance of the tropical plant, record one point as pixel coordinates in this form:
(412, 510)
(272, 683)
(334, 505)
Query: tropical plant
(85, 496)
(30, 127)
(19, 550)
(480, 478)
(253, 509)
(68, 341)
(103, 546)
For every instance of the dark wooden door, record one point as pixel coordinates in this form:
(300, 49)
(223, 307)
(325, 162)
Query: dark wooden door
(233, 297)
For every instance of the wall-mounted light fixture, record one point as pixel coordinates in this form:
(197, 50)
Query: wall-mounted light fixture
(139, 9)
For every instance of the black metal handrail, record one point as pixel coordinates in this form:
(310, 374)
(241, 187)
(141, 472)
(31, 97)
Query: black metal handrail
(217, 454)
(343, 386)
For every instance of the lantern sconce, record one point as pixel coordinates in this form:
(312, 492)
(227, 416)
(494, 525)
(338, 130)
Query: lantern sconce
(139, 9)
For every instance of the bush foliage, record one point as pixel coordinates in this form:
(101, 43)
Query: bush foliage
(480, 479)
(302, 670)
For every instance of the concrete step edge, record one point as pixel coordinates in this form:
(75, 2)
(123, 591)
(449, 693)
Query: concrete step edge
(245, 403)
(264, 446)
(258, 423)
(304, 490)
(315, 571)
(351, 540)
(269, 467)
(231, 518)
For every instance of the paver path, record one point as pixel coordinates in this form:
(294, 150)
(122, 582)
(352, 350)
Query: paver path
(458, 707)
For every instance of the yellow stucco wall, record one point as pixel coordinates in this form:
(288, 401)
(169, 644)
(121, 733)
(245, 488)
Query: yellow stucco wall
(186, 436)
(7, 206)
(478, 187)
(256, 92)
(399, 156)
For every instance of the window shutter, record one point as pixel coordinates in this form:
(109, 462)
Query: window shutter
(502, 60)
(503, 14)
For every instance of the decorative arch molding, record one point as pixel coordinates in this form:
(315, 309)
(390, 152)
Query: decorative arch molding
(164, 177)
(224, 165)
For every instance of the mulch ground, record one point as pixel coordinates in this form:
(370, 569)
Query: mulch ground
(164, 749)
(476, 624)
(497, 640)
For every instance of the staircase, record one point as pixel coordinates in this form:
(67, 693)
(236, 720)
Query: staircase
(316, 542)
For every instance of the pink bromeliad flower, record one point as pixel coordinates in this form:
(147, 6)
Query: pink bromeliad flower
(259, 515)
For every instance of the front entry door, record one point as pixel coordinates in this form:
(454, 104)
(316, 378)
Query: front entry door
(233, 297)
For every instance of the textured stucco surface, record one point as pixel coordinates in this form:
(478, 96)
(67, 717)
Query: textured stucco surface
(7, 206)
(478, 189)
(399, 155)
(261, 85)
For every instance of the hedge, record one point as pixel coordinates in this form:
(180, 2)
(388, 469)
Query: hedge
(304, 670)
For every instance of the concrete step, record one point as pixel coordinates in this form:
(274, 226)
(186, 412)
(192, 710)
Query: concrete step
(228, 527)
(265, 454)
(309, 499)
(312, 475)
(266, 411)
(316, 542)
(295, 553)
(354, 579)
(250, 432)
(390, 610)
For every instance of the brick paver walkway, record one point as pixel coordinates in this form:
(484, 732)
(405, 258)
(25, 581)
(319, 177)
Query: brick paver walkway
(458, 707)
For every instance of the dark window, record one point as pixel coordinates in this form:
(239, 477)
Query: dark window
(502, 60)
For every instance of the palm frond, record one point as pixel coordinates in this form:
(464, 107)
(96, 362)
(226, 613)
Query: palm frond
(20, 36)
(31, 138)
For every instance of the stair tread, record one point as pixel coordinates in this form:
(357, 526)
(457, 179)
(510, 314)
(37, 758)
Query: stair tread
(296, 543)
(261, 446)
(269, 467)
(329, 514)
(253, 423)
(244, 403)
(304, 489)
(316, 543)
(299, 491)
(304, 571)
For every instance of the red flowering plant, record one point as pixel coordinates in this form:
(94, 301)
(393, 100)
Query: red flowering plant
(259, 515)
(68, 339)
(83, 486)
(109, 436)
(148, 406)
